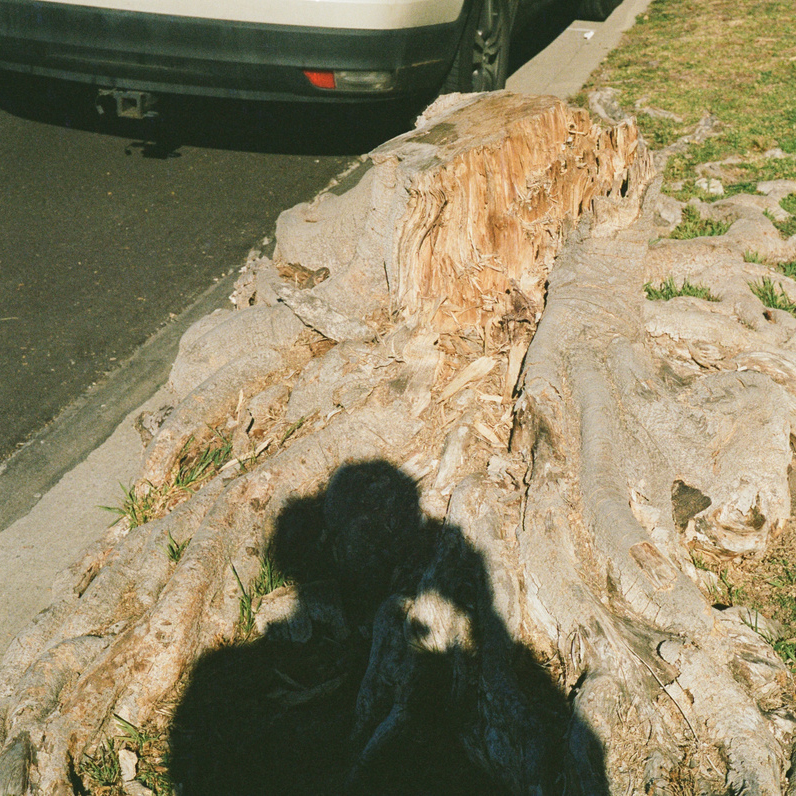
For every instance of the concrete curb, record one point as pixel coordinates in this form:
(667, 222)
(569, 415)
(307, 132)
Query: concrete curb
(564, 66)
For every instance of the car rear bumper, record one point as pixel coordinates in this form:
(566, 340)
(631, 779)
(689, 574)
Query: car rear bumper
(188, 55)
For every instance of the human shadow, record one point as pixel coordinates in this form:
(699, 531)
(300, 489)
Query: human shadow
(384, 669)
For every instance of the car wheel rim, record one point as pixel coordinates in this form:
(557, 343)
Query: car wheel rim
(488, 49)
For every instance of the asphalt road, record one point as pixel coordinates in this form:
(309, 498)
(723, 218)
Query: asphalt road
(107, 231)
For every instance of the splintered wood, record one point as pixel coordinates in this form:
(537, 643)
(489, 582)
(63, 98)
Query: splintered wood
(489, 203)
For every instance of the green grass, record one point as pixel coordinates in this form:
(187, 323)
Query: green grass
(772, 295)
(292, 429)
(694, 226)
(734, 59)
(102, 771)
(196, 465)
(102, 768)
(136, 507)
(787, 576)
(175, 549)
(788, 226)
(788, 204)
(788, 269)
(669, 290)
(269, 577)
(750, 256)
(267, 580)
(153, 756)
(786, 649)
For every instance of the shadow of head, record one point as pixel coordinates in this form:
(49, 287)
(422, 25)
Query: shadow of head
(424, 691)
(364, 530)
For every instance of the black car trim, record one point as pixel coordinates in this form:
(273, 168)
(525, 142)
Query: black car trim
(159, 52)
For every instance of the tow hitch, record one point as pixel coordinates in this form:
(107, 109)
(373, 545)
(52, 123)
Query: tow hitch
(129, 104)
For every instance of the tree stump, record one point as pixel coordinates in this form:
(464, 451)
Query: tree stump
(471, 463)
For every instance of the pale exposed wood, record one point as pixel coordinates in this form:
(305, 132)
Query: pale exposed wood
(473, 372)
(489, 203)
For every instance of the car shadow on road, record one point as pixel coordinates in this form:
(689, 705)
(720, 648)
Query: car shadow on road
(289, 128)
(353, 689)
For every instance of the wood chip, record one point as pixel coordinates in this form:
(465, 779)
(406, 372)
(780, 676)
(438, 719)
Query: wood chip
(488, 434)
(475, 371)
(516, 356)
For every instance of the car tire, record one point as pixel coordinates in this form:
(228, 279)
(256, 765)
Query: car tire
(596, 10)
(482, 60)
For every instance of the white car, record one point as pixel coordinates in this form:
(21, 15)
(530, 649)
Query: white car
(263, 49)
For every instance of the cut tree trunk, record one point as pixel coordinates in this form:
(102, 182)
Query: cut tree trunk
(482, 464)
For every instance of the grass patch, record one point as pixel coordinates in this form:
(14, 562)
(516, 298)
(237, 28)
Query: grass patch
(175, 549)
(788, 227)
(694, 226)
(768, 586)
(772, 295)
(196, 465)
(102, 771)
(733, 59)
(788, 204)
(669, 290)
(153, 753)
(788, 269)
(267, 580)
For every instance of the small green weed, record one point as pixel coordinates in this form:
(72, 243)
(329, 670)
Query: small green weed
(193, 470)
(132, 735)
(153, 755)
(267, 580)
(175, 549)
(735, 595)
(292, 429)
(787, 576)
(269, 577)
(137, 508)
(788, 268)
(694, 226)
(786, 649)
(786, 228)
(102, 768)
(700, 562)
(772, 295)
(246, 608)
(669, 290)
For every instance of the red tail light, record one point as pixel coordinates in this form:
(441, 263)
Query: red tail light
(320, 79)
